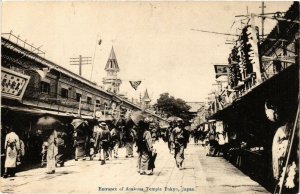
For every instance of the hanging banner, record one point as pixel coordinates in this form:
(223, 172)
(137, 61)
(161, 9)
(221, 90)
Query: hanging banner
(135, 84)
(13, 84)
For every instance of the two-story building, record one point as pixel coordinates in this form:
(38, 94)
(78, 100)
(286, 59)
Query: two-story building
(33, 86)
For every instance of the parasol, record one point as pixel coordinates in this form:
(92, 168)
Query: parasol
(77, 122)
(188, 128)
(47, 123)
(164, 124)
(179, 119)
(193, 126)
(173, 119)
(138, 116)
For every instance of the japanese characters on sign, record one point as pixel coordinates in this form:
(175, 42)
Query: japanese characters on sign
(13, 84)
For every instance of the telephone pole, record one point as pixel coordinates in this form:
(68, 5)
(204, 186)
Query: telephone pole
(262, 18)
(80, 61)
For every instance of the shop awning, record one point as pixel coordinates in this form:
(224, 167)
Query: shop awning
(38, 111)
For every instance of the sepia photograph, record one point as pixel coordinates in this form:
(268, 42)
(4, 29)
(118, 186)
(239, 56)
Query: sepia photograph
(166, 97)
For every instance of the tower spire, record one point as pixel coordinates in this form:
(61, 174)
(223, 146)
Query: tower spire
(146, 97)
(112, 63)
(111, 82)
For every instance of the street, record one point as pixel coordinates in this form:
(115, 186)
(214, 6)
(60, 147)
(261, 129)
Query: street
(201, 174)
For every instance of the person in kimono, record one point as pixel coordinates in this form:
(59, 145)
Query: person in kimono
(12, 148)
(102, 141)
(144, 149)
(115, 140)
(168, 136)
(128, 139)
(61, 146)
(153, 133)
(179, 139)
(52, 151)
(80, 141)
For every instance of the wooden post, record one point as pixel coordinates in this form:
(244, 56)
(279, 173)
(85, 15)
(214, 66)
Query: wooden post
(79, 109)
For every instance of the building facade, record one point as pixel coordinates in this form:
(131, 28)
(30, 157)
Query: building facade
(33, 87)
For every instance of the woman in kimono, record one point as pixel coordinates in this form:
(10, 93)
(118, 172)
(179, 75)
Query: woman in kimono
(128, 139)
(145, 149)
(61, 147)
(12, 148)
(115, 140)
(179, 139)
(51, 152)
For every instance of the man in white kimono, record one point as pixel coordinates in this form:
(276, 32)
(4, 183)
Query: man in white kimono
(12, 148)
(52, 151)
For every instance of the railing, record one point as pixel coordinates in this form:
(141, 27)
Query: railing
(23, 43)
(54, 100)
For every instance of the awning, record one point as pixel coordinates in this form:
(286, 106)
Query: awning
(38, 111)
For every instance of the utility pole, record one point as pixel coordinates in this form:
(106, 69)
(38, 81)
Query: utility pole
(262, 18)
(80, 61)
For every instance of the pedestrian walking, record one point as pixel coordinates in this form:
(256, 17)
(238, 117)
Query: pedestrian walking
(213, 143)
(179, 140)
(80, 135)
(102, 142)
(146, 156)
(168, 134)
(115, 140)
(128, 139)
(153, 133)
(110, 126)
(61, 147)
(196, 136)
(12, 148)
(51, 144)
(91, 151)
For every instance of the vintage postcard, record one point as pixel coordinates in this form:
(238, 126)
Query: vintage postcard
(149, 97)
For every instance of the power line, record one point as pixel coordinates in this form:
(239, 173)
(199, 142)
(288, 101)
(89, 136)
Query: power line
(227, 34)
(80, 61)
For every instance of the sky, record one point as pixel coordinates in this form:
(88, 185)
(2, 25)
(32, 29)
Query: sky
(153, 41)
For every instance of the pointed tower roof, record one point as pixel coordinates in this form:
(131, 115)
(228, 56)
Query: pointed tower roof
(112, 63)
(146, 97)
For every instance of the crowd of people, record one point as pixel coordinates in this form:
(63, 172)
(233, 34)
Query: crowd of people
(102, 139)
(214, 139)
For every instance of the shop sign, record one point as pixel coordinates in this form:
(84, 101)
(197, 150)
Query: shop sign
(13, 84)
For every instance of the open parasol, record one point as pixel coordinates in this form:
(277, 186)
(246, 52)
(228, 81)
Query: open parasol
(173, 119)
(47, 124)
(77, 122)
(138, 116)
(164, 124)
